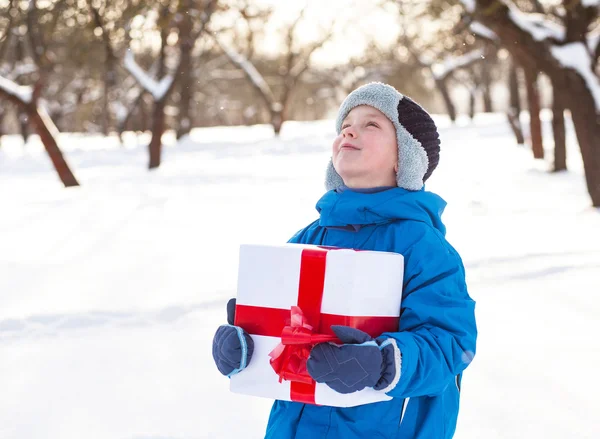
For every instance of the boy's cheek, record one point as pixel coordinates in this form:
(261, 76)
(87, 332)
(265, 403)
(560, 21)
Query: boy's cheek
(336, 145)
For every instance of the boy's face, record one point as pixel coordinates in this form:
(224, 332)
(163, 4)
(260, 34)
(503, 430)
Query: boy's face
(365, 154)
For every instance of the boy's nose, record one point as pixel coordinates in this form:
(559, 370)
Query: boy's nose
(349, 132)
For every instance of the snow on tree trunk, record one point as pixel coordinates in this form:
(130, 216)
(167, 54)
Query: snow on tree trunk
(533, 105)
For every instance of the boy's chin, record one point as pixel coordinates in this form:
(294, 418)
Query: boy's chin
(359, 180)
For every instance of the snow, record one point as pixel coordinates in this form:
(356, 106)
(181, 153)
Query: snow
(21, 92)
(15, 71)
(156, 88)
(112, 291)
(469, 5)
(483, 31)
(536, 24)
(593, 39)
(451, 63)
(577, 57)
(590, 3)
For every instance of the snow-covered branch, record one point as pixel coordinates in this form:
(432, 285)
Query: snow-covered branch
(156, 88)
(593, 44)
(469, 5)
(20, 93)
(590, 3)
(452, 63)
(254, 75)
(483, 31)
(536, 24)
(577, 57)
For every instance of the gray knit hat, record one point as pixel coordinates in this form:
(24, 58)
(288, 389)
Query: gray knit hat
(416, 133)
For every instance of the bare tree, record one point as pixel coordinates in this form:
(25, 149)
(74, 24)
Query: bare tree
(296, 62)
(514, 105)
(558, 130)
(27, 98)
(161, 89)
(534, 107)
(537, 44)
(110, 62)
(445, 65)
(192, 24)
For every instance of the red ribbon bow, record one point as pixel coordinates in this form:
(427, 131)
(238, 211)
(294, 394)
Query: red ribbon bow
(289, 357)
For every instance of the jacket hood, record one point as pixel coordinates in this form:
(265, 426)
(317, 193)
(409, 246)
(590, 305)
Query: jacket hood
(350, 208)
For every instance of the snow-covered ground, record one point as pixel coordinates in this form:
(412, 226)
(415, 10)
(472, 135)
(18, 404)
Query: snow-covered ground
(110, 293)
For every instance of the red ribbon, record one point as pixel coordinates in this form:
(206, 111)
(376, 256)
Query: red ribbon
(306, 327)
(289, 357)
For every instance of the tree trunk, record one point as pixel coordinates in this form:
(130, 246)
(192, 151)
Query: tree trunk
(41, 123)
(514, 108)
(109, 70)
(122, 126)
(23, 122)
(2, 113)
(443, 88)
(276, 122)
(186, 85)
(558, 131)
(143, 124)
(486, 83)
(158, 105)
(108, 81)
(515, 125)
(158, 128)
(587, 129)
(513, 86)
(535, 124)
(472, 95)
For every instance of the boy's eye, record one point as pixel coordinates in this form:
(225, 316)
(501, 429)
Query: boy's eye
(346, 125)
(372, 124)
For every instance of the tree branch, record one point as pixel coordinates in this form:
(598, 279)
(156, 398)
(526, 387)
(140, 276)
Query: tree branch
(17, 94)
(256, 79)
(207, 12)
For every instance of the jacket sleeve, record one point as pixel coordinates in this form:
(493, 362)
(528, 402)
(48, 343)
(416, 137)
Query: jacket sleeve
(437, 332)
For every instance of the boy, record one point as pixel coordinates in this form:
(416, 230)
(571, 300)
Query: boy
(387, 147)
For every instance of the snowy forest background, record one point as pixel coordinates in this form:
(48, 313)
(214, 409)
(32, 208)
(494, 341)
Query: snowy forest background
(108, 66)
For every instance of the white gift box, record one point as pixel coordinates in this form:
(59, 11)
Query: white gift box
(362, 289)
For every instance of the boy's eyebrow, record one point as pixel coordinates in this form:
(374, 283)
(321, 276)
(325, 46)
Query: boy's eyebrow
(373, 114)
(369, 114)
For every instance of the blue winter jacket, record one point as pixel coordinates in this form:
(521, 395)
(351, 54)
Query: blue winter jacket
(437, 331)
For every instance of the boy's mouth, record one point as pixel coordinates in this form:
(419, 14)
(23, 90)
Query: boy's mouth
(348, 146)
